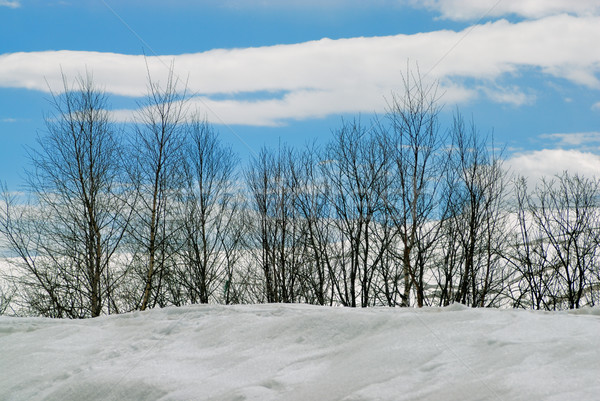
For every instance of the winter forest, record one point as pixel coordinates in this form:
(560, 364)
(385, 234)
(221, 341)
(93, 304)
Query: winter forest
(399, 211)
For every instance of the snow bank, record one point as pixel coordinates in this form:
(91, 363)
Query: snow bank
(299, 352)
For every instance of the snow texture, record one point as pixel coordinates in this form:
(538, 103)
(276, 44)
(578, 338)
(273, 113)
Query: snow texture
(300, 352)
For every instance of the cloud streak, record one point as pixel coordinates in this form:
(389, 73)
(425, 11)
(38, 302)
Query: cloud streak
(573, 139)
(327, 76)
(465, 10)
(10, 4)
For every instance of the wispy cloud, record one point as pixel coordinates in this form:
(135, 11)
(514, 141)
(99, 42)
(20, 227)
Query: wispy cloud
(508, 95)
(337, 76)
(278, 4)
(10, 4)
(573, 139)
(465, 10)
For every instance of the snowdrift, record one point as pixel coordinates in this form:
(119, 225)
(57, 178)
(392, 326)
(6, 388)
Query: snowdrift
(300, 352)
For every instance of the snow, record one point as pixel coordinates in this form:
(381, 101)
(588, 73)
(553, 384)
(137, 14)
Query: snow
(301, 352)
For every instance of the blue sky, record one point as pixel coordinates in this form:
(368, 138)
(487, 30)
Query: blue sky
(265, 71)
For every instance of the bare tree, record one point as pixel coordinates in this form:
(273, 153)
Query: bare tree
(156, 175)
(566, 211)
(418, 162)
(66, 240)
(478, 216)
(210, 232)
(531, 283)
(43, 283)
(5, 299)
(312, 205)
(355, 169)
(277, 230)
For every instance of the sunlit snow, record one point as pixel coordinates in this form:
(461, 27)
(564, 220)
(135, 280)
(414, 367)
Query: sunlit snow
(299, 352)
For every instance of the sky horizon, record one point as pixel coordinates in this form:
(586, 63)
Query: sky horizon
(267, 71)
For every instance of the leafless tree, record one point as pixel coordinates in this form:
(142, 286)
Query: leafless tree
(531, 283)
(566, 212)
(66, 239)
(210, 230)
(355, 170)
(416, 147)
(313, 207)
(277, 228)
(156, 177)
(5, 299)
(477, 219)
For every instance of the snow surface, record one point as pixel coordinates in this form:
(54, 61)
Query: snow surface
(300, 352)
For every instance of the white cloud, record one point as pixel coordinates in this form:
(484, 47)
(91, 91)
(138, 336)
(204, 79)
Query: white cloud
(273, 4)
(464, 10)
(549, 162)
(298, 4)
(297, 105)
(509, 95)
(450, 9)
(10, 4)
(336, 76)
(596, 106)
(574, 138)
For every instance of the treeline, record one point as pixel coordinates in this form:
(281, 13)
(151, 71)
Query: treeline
(397, 211)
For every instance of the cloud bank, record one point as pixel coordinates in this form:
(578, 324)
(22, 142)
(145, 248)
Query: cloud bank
(550, 162)
(324, 77)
